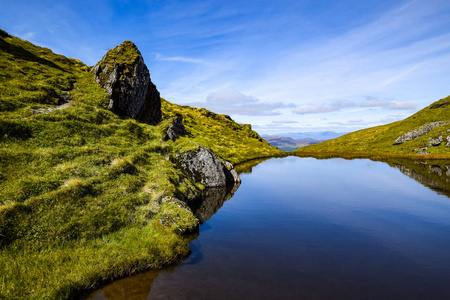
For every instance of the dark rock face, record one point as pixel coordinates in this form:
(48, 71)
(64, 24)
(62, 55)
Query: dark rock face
(443, 104)
(413, 134)
(124, 75)
(204, 167)
(176, 129)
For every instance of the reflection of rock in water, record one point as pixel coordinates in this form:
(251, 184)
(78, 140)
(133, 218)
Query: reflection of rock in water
(430, 174)
(139, 286)
(212, 200)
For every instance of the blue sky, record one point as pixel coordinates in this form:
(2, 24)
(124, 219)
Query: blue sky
(283, 66)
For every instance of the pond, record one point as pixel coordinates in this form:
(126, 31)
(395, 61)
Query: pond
(302, 228)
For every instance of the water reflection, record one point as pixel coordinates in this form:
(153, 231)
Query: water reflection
(300, 228)
(136, 287)
(247, 167)
(212, 200)
(432, 174)
(139, 286)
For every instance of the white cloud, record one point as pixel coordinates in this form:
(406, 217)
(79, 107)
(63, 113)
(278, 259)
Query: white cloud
(284, 122)
(179, 59)
(361, 122)
(27, 35)
(389, 105)
(240, 104)
(340, 105)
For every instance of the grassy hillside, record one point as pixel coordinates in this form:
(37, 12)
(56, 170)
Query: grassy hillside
(378, 141)
(81, 189)
(31, 75)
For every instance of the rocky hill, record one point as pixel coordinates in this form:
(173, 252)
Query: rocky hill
(426, 133)
(96, 170)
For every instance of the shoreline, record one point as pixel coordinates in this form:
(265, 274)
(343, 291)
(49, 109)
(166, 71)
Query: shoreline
(368, 155)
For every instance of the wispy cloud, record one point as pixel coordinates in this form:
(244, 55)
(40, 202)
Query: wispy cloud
(179, 59)
(240, 104)
(284, 122)
(361, 122)
(27, 35)
(340, 105)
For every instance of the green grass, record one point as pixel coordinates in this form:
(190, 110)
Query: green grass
(66, 270)
(81, 189)
(33, 76)
(377, 141)
(233, 142)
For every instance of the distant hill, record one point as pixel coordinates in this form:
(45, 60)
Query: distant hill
(427, 132)
(289, 144)
(318, 136)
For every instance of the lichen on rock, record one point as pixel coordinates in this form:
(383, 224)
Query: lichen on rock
(124, 75)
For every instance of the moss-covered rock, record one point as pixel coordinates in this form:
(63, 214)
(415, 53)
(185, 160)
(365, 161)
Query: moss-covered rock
(124, 75)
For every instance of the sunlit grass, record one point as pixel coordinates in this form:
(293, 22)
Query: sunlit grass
(378, 141)
(81, 189)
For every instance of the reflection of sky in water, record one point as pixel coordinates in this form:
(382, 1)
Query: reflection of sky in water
(363, 196)
(300, 228)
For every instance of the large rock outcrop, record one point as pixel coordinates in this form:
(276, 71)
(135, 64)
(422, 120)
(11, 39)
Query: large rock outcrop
(204, 167)
(413, 134)
(124, 75)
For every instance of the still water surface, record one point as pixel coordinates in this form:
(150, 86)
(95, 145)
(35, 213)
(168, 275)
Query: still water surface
(301, 228)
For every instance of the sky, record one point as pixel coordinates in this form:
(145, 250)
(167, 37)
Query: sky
(282, 66)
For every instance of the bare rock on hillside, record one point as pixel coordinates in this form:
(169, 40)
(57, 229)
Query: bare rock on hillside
(413, 134)
(124, 75)
(203, 166)
(176, 129)
(436, 142)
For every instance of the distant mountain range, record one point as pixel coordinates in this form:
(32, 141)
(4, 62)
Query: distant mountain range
(293, 140)
(319, 136)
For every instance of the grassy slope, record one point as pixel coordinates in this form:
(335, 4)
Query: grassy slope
(377, 141)
(81, 188)
(233, 142)
(32, 76)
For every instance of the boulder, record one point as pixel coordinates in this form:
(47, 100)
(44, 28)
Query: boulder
(203, 166)
(124, 75)
(176, 129)
(436, 142)
(448, 141)
(413, 134)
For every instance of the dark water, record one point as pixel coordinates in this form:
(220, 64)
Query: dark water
(301, 228)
